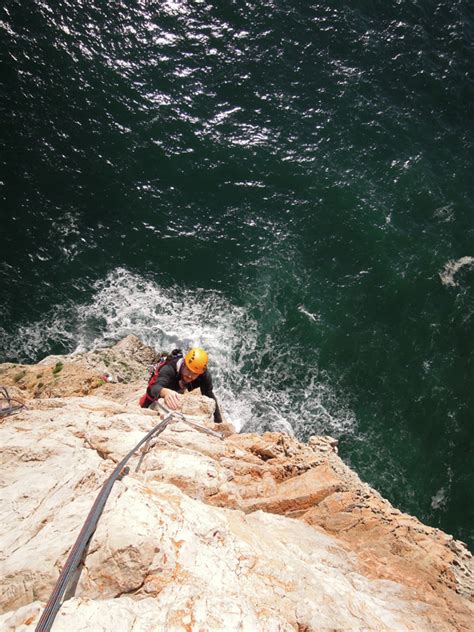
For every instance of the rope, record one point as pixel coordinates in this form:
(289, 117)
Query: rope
(69, 576)
(192, 424)
(10, 408)
(77, 552)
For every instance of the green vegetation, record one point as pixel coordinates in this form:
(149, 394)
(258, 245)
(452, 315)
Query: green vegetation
(58, 368)
(19, 376)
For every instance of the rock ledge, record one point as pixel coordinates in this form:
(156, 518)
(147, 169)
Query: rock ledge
(251, 532)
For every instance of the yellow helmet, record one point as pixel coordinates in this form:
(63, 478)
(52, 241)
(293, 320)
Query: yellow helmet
(196, 360)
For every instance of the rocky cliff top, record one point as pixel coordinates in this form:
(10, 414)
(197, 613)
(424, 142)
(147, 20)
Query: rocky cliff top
(248, 532)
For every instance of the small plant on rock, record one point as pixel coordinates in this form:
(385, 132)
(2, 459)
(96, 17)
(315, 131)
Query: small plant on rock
(58, 368)
(19, 376)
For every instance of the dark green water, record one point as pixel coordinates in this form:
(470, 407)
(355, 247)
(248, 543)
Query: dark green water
(286, 183)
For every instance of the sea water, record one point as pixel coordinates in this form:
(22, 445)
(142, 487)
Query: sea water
(288, 184)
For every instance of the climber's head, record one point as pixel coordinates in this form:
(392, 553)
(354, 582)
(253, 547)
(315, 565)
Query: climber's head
(195, 364)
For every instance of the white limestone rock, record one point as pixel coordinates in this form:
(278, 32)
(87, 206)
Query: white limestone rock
(163, 557)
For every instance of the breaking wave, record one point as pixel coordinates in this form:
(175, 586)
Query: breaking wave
(452, 267)
(255, 396)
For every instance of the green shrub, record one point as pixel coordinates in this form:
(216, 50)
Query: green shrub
(58, 368)
(19, 376)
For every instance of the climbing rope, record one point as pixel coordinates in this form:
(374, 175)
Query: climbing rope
(69, 576)
(190, 423)
(9, 405)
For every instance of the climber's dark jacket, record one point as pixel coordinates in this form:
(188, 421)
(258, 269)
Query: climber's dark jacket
(169, 377)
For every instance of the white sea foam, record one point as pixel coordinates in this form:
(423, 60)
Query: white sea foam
(254, 375)
(438, 501)
(452, 267)
(314, 317)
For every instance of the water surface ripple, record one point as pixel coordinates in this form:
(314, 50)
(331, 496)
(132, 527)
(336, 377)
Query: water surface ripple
(286, 183)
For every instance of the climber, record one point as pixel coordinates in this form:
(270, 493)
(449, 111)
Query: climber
(175, 374)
